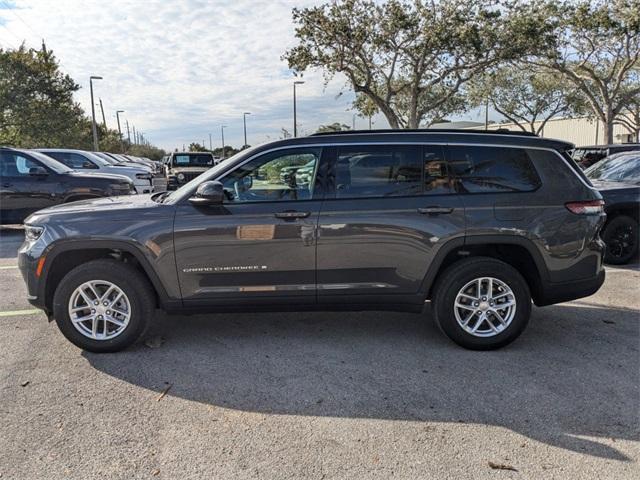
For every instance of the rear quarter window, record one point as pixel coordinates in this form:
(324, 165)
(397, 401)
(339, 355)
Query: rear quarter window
(492, 169)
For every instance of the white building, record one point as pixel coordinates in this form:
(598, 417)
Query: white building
(579, 131)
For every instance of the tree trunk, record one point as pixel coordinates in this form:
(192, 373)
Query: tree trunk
(608, 125)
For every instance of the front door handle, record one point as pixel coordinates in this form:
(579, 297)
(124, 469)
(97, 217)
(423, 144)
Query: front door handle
(6, 185)
(435, 210)
(292, 215)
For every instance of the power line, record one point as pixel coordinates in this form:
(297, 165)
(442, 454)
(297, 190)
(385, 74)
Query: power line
(15, 14)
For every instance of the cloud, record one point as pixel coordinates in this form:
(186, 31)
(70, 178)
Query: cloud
(181, 69)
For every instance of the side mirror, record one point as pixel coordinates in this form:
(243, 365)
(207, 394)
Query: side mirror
(38, 172)
(208, 193)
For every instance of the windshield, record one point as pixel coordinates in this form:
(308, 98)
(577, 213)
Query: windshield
(106, 158)
(208, 175)
(52, 163)
(616, 169)
(192, 160)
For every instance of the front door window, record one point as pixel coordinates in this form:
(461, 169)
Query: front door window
(277, 176)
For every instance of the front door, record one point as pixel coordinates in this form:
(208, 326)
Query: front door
(259, 246)
(389, 211)
(23, 192)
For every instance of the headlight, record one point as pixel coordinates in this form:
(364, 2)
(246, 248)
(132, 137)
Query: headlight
(181, 177)
(32, 233)
(143, 176)
(121, 187)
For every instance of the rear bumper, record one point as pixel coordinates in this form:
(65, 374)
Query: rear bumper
(566, 291)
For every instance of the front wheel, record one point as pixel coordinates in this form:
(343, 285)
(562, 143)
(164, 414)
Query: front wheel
(103, 305)
(482, 303)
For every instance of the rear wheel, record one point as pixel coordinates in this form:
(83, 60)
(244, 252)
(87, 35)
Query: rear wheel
(482, 303)
(103, 305)
(621, 238)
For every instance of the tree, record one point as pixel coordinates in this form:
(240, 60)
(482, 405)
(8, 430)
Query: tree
(36, 100)
(629, 118)
(411, 59)
(334, 127)
(526, 96)
(196, 147)
(596, 49)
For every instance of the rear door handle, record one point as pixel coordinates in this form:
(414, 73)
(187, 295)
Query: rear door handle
(292, 215)
(435, 210)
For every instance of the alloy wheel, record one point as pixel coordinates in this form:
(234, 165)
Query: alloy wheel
(485, 307)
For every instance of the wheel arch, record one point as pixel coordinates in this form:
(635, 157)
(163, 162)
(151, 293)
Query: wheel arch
(62, 257)
(519, 252)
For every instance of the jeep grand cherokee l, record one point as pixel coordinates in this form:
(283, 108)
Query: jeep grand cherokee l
(476, 224)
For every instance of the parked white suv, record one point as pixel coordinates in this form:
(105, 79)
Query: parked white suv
(87, 161)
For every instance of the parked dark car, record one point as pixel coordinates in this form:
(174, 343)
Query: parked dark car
(587, 156)
(182, 167)
(31, 181)
(478, 224)
(618, 180)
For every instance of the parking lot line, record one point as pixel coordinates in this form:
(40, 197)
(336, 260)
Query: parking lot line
(14, 313)
(8, 267)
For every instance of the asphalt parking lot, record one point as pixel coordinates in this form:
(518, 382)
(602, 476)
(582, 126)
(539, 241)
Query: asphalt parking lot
(323, 395)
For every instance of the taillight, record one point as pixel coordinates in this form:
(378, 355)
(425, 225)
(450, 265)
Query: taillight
(587, 207)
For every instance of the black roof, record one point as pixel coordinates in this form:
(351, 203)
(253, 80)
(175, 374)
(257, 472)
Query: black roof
(501, 131)
(442, 136)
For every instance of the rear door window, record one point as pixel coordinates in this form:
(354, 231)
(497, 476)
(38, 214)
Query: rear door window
(378, 171)
(492, 169)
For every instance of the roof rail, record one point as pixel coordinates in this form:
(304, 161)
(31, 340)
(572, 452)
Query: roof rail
(501, 131)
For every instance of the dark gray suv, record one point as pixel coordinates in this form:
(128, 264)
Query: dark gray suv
(477, 224)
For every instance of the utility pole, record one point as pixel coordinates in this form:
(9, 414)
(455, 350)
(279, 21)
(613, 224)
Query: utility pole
(486, 114)
(222, 127)
(210, 144)
(118, 112)
(244, 120)
(93, 112)
(104, 120)
(135, 136)
(128, 132)
(295, 116)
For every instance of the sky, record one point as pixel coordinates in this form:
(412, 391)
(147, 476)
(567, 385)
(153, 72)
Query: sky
(182, 69)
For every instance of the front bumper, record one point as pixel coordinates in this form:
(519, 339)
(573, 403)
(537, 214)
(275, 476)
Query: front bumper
(28, 259)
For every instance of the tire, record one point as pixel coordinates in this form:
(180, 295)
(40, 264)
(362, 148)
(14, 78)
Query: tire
(464, 275)
(620, 235)
(138, 301)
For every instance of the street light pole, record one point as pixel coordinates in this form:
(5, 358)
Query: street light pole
(104, 120)
(222, 127)
(244, 120)
(93, 112)
(295, 116)
(210, 144)
(118, 112)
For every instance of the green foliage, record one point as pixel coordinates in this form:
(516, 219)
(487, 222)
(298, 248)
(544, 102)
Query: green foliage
(595, 48)
(334, 127)
(36, 100)
(196, 147)
(410, 59)
(526, 95)
(37, 107)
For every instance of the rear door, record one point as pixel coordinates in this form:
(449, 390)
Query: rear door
(259, 246)
(388, 211)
